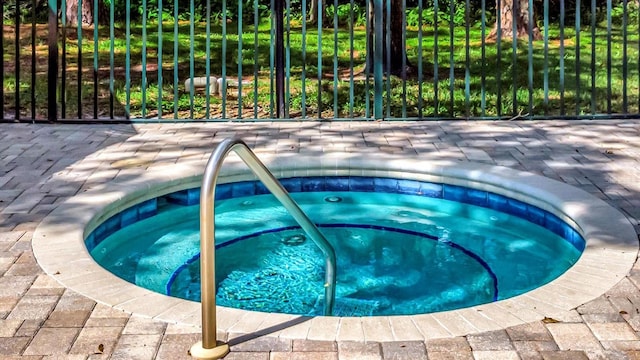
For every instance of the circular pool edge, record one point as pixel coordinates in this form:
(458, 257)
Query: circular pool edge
(610, 252)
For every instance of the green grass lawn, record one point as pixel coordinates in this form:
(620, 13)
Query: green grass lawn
(481, 85)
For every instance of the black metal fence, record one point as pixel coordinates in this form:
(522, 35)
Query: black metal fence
(145, 60)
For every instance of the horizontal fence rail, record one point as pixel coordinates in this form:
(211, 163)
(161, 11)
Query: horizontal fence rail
(153, 60)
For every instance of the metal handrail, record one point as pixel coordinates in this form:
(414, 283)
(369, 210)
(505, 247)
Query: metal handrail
(207, 234)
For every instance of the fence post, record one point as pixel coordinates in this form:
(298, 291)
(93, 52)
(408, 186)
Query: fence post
(378, 59)
(279, 61)
(2, 62)
(52, 113)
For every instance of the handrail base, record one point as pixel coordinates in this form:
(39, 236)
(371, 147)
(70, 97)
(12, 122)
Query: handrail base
(197, 351)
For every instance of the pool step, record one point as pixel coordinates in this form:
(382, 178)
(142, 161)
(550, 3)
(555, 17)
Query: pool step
(155, 269)
(170, 239)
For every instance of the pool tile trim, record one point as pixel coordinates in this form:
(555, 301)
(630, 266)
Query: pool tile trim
(456, 193)
(611, 243)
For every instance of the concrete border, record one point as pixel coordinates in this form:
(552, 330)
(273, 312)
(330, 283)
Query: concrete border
(611, 250)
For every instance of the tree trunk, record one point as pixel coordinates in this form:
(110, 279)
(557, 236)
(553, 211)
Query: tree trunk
(396, 46)
(87, 12)
(72, 13)
(370, 38)
(313, 18)
(518, 11)
(396, 40)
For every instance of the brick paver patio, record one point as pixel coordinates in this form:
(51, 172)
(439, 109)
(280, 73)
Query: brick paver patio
(43, 165)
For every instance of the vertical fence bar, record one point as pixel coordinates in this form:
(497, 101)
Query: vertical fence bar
(176, 35)
(388, 57)
(287, 92)
(17, 60)
(63, 66)
(420, 74)
(546, 56)
(192, 60)
(33, 58)
(52, 69)
(127, 65)
(483, 71)
(207, 70)
(578, 64)
(530, 58)
(335, 58)
(272, 31)
(638, 61)
(593, 57)
(625, 72)
(80, 58)
(112, 39)
(143, 81)
(562, 15)
(467, 62)
(320, 16)
(367, 67)
(256, 48)
(452, 9)
(207, 64)
(436, 96)
(499, 60)
(239, 59)
(514, 63)
(377, 60)
(160, 41)
(278, 14)
(96, 21)
(404, 59)
(351, 44)
(223, 83)
(609, 56)
(51, 44)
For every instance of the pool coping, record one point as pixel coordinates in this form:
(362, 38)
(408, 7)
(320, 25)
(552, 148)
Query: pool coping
(611, 249)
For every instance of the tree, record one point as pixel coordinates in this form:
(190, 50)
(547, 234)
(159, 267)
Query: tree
(517, 11)
(72, 12)
(313, 18)
(87, 12)
(396, 47)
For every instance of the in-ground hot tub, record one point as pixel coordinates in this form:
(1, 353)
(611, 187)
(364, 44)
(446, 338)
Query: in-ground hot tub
(403, 247)
(567, 212)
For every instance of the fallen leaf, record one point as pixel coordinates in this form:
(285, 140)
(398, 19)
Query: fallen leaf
(548, 320)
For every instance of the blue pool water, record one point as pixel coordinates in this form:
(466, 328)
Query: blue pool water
(397, 252)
